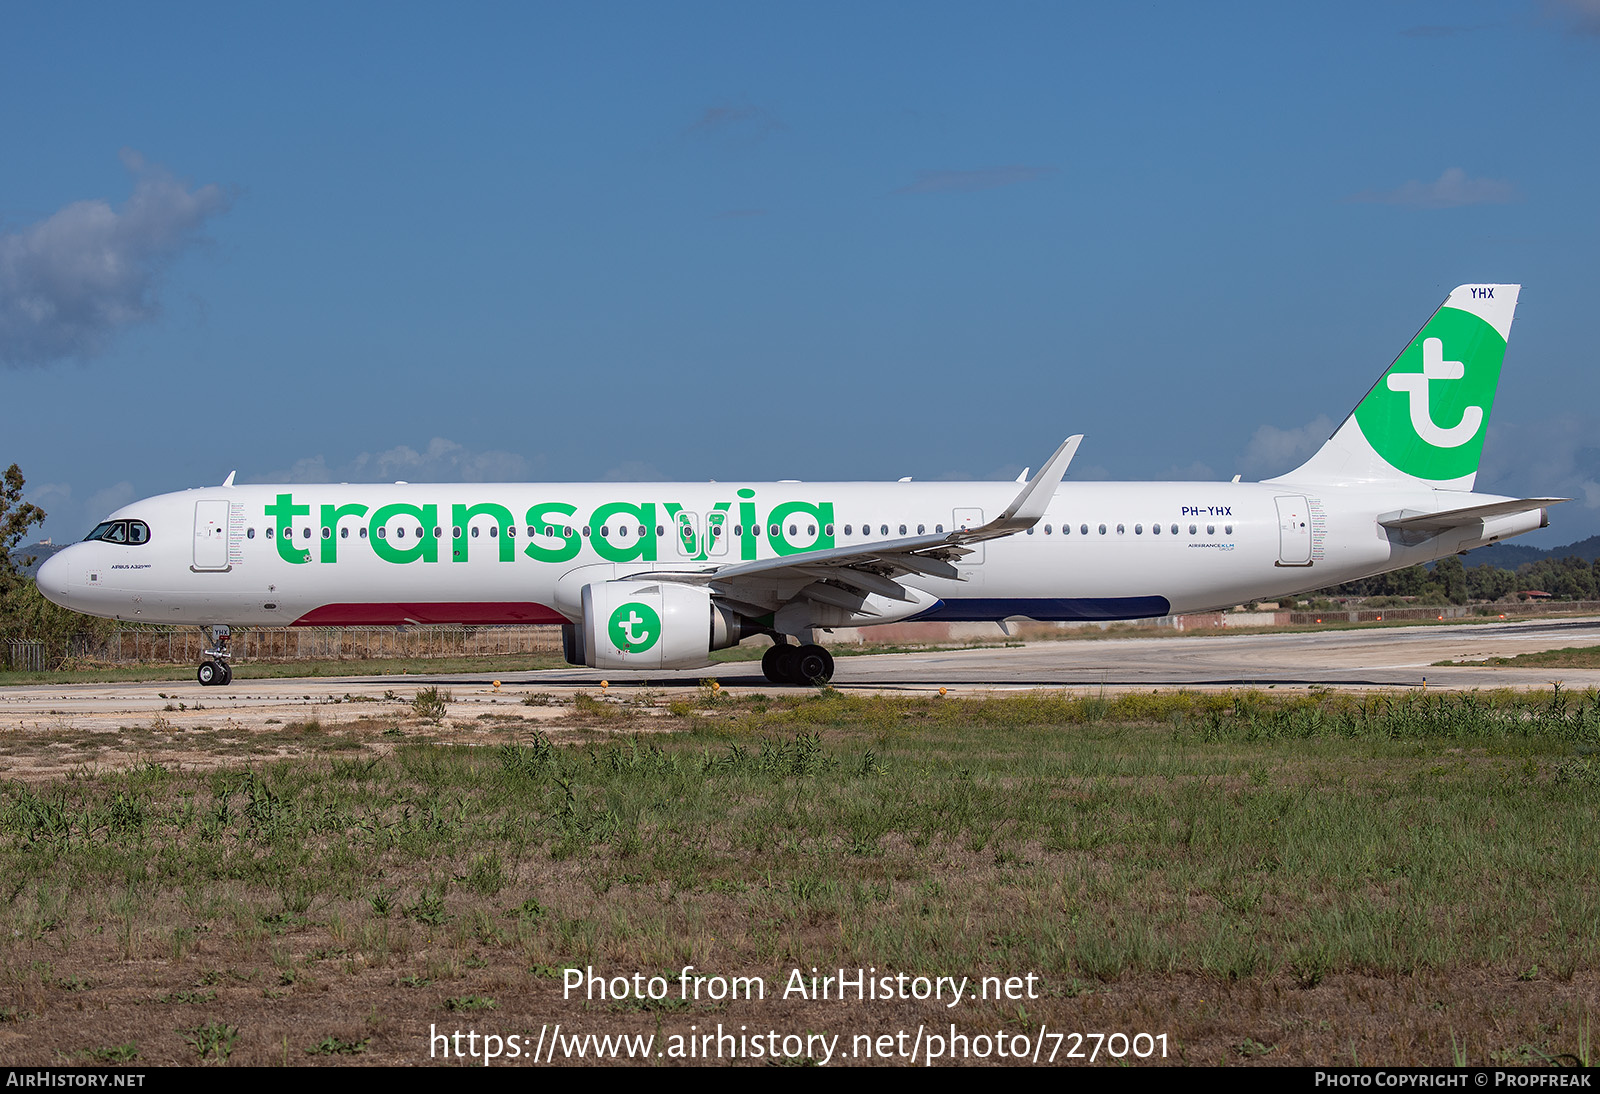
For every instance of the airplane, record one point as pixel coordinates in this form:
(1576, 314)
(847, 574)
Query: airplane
(651, 576)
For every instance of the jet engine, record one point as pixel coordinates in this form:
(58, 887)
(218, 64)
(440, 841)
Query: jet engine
(641, 624)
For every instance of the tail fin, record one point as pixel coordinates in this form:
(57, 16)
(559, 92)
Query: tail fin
(1424, 421)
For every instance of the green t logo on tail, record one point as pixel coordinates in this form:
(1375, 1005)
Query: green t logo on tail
(1428, 415)
(634, 627)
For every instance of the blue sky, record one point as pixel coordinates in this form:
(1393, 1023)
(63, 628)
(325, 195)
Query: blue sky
(818, 241)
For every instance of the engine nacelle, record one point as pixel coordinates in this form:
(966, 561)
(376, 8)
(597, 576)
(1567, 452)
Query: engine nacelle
(642, 624)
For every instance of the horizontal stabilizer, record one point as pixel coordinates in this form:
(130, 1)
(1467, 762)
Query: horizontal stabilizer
(1408, 520)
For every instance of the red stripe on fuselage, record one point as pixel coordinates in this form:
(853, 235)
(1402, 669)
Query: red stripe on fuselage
(383, 615)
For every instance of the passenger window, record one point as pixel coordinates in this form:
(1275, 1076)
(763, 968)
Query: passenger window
(567, 531)
(585, 529)
(1121, 530)
(1228, 528)
(383, 532)
(1211, 529)
(344, 533)
(363, 532)
(1030, 531)
(939, 528)
(269, 531)
(811, 529)
(305, 533)
(605, 529)
(1155, 529)
(1138, 529)
(1102, 529)
(847, 529)
(1174, 529)
(1047, 529)
(455, 533)
(902, 529)
(327, 533)
(1191, 529)
(399, 533)
(474, 533)
(250, 533)
(773, 531)
(830, 529)
(883, 530)
(1083, 529)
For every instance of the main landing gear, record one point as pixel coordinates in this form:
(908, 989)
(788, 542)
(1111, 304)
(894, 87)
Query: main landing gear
(214, 671)
(808, 664)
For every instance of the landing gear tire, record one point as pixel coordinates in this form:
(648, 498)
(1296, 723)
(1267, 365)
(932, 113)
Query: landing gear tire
(789, 665)
(209, 673)
(813, 665)
(227, 674)
(772, 664)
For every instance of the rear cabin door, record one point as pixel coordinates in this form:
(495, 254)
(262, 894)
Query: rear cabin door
(1294, 531)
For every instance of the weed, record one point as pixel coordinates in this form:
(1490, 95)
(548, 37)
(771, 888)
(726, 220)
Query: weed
(214, 1040)
(462, 1003)
(334, 1046)
(113, 1054)
(431, 704)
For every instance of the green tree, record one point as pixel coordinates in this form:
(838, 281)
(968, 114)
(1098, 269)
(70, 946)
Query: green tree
(16, 517)
(1451, 576)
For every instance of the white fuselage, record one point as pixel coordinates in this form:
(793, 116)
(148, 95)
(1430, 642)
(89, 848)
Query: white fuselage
(499, 553)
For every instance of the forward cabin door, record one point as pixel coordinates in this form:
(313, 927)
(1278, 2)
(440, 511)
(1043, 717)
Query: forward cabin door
(210, 535)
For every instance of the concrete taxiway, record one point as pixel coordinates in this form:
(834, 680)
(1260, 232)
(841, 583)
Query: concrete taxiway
(1359, 659)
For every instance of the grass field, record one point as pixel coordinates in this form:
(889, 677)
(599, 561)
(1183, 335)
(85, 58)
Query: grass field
(1572, 657)
(1283, 879)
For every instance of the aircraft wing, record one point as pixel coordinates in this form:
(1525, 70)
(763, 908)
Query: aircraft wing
(873, 568)
(1432, 523)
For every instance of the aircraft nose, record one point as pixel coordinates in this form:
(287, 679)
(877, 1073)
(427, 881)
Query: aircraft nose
(53, 578)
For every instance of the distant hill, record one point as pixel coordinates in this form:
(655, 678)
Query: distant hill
(40, 552)
(1508, 556)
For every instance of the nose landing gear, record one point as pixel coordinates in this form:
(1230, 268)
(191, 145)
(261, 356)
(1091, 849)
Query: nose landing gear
(215, 671)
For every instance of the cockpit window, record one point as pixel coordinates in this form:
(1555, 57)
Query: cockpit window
(120, 531)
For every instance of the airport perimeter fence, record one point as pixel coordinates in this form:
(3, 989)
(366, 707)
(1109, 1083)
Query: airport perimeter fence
(179, 644)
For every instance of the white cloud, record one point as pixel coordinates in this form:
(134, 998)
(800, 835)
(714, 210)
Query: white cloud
(68, 283)
(1451, 189)
(633, 471)
(1583, 16)
(111, 498)
(749, 122)
(1274, 451)
(966, 182)
(442, 460)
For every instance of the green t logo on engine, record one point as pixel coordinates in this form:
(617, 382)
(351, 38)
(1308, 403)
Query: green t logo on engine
(634, 627)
